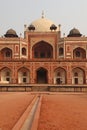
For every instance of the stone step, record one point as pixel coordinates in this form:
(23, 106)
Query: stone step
(40, 88)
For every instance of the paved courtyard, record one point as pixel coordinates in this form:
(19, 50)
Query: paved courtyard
(63, 111)
(12, 106)
(59, 111)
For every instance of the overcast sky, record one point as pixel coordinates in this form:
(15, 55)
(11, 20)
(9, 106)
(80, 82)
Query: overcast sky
(69, 13)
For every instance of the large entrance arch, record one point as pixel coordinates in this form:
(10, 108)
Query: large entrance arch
(42, 50)
(42, 76)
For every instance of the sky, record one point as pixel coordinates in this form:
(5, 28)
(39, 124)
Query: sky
(69, 13)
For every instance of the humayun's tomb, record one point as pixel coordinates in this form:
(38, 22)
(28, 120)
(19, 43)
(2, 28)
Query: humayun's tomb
(42, 59)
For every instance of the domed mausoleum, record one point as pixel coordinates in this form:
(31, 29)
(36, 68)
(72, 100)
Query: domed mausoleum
(43, 60)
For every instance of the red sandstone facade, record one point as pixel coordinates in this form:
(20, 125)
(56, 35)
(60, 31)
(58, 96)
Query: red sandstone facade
(43, 56)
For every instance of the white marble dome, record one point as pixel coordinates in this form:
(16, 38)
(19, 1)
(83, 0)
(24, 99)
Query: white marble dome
(42, 25)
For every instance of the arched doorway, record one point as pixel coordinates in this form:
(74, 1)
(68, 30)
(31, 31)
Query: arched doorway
(42, 76)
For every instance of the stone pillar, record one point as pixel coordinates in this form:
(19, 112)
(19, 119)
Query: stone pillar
(69, 75)
(15, 74)
(0, 75)
(32, 74)
(50, 75)
(86, 76)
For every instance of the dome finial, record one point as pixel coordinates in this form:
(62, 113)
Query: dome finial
(42, 14)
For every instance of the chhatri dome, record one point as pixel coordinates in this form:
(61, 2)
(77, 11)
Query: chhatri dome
(11, 33)
(74, 33)
(42, 25)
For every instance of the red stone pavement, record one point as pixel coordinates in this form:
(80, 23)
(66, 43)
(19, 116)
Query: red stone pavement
(63, 112)
(12, 106)
(59, 111)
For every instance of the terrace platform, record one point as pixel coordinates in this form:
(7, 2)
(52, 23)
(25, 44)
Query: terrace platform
(42, 87)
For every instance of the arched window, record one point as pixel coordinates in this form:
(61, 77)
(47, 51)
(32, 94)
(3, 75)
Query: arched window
(8, 54)
(24, 73)
(42, 55)
(75, 74)
(36, 54)
(78, 54)
(23, 51)
(7, 73)
(24, 80)
(58, 74)
(61, 51)
(49, 54)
